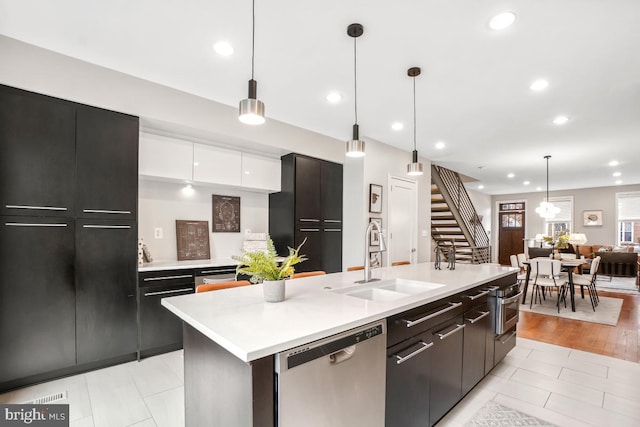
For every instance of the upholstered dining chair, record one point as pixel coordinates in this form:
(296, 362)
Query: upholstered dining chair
(393, 264)
(589, 280)
(521, 277)
(355, 267)
(547, 274)
(308, 274)
(221, 285)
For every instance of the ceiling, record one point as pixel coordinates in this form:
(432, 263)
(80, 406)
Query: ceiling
(473, 92)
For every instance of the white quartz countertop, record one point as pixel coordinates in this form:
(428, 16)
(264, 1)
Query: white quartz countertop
(179, 265)
(240, 321)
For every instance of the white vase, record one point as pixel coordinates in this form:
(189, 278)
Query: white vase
(273, 290)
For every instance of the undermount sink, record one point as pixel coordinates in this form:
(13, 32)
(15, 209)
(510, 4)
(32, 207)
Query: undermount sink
(388, 290)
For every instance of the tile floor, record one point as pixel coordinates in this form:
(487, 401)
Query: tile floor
(557, 384)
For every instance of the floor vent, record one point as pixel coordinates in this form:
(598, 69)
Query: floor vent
(50, 398)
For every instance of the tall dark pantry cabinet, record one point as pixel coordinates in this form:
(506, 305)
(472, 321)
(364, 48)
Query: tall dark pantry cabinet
(309, 207)
(68, 232)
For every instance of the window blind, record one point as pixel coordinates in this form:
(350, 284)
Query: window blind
(629, 206)
(566, 209)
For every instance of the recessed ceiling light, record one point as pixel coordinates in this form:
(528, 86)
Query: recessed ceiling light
(560, 120)
(526, 183)
(480, 187)
(502, 20)
(538, 188)
(617, 174)
(223, 48)
(614, 163)
(397, 126)
(440, 145)
(618, 182)
(539, 85)
(510, 175)
(334, 97)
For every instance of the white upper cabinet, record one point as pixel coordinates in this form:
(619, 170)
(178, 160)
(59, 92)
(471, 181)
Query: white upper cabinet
(260, 172)
(165, 157)
(216, 165)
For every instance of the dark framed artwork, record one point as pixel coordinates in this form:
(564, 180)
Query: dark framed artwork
(374, 235)
(226, 214)
(375, 259)
(192, 240)
(375, 198)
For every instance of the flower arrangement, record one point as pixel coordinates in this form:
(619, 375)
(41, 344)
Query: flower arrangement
(559, 242)
(266, 265)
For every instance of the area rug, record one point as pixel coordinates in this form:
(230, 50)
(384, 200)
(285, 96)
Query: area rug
(625, 285)
(495, 414)
(607, 311)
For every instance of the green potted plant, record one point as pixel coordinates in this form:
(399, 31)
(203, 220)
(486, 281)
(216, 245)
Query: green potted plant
(266, 267)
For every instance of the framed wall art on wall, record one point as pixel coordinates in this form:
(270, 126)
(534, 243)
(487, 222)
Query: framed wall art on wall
(226, 214)
(375, 198)
(592, 218)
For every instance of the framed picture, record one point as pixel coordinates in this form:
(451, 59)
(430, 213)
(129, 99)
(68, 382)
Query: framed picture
(592, 218)
(374, 235)
(375, 259)
(226, 214)
(192, 239)
(375, 198)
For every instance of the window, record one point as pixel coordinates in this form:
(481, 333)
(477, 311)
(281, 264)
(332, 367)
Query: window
(562, 223)
(628, 205)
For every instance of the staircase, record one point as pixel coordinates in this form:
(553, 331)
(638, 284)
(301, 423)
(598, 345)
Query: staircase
(454, 220)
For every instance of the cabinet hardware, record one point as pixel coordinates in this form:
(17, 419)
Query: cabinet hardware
(410, 323)
(482, 316)
(183, 276)
(443, 336)
(216, 271)
(505, 301)
(513, 334)
(105, 211)
(332, 220)
(25, 224)
(106, 226)
(309, 229)
(308, 220)
(333, 229)
(476, 296)
(175, 291)
(45, 208)
(423, 347)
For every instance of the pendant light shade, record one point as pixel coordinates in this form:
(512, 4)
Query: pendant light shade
(415, 167)
(251, 110)
(355, 146)
(546, 209)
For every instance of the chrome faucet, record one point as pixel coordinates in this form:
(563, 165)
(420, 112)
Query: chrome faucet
(367, 247)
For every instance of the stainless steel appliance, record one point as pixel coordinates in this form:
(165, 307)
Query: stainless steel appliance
(336, 381)
(506, 306)
(215, 274)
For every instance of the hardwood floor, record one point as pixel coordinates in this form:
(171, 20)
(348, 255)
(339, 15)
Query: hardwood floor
(621, 341)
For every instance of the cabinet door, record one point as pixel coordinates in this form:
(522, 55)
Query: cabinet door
(165, 157)
(261, 173)
(446, 368)
(408, 372)
(37, 166)
(307, 190)
(107, 164)
(331, 193)
(331, 249)
(312, 248)
(37, 296)
(106, 255)
(216, 165)
(478, 324)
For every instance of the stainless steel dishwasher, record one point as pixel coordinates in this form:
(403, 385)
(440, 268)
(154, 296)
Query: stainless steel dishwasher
(336, 381)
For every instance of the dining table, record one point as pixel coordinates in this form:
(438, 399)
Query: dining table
(567, 264)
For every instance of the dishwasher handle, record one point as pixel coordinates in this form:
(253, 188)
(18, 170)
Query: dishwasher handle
(342, 355)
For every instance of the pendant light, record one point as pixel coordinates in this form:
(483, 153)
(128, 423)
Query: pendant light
(546, 209)
(252, 109)
(414, 168)
(355, 147)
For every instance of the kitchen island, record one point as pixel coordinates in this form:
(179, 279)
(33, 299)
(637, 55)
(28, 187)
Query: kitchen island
(231, 336)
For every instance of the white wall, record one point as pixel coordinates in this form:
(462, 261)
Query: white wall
(482, 203)
(162, 203)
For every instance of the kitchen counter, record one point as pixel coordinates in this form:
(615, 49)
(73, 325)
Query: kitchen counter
(179, 265)
(241, 322)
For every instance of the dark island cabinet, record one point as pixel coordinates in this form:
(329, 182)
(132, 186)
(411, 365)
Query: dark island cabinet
(309, 207)
(107, 164)
(37, 166)
(37, 296)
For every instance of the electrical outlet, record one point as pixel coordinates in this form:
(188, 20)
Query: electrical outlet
(425, 233)
(157, 233)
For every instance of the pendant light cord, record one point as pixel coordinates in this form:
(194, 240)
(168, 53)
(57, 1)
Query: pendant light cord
(355, 77)
(253, 35)
(414, 113)
(547, 157)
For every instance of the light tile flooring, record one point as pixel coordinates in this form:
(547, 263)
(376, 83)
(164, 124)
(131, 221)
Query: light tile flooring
(557, 384)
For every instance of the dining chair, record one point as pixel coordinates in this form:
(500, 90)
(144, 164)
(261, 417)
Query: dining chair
(393, 264)
(521, 277)
(221, 285)
(547, 274)
(589, 280)
(308, 274)
(356, 267)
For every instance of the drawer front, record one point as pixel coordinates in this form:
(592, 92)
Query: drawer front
(503, 345)
(212, 271)
(166, 278)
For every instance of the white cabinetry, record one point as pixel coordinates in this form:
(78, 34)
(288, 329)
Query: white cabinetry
(260, 172)
(216, 165)
(165, 157)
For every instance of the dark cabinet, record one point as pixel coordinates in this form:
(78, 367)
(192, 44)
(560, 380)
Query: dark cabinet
(37, 166)
(107, 164)
(37, 296)
(476, 334)
(309, 206)
(106, 255)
